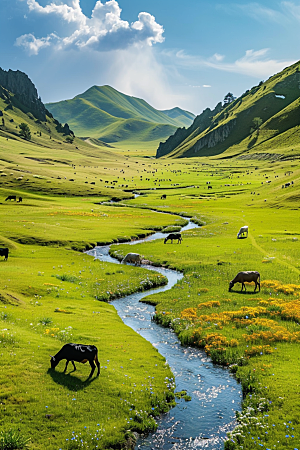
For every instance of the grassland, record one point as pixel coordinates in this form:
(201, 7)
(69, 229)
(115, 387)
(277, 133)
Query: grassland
(50, 291)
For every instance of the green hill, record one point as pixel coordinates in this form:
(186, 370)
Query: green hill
(106, 114)
(230, 129)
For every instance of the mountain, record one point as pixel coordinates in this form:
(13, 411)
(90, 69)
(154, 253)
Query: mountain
(184, 117)
(20, 103)
(263, 119)
(104, 113)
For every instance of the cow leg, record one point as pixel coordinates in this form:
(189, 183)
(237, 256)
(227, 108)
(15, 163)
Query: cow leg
(73, 365)
(243, 286)
(98, 366)
(66, 366)
(93, 366)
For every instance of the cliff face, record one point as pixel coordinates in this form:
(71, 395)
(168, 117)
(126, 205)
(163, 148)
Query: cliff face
(19, 84)
(215, 137)
(201, 122)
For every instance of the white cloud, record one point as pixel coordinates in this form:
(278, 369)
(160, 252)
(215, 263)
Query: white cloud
(206, 86)
(292, 9)
(253, 63)
(105, 30)
(282, 15)
(33, 45)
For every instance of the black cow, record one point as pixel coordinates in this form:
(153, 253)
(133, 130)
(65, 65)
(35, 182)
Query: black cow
(163, 197)
(11, 197)
(4, 252)
(173, 236)
(79, 353)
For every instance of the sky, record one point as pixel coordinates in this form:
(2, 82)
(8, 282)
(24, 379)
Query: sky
(168, 52)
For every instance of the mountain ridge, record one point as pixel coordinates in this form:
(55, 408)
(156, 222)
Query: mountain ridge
(231, 126)
(104, 113)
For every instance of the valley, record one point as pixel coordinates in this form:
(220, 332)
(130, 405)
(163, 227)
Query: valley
(81, 193)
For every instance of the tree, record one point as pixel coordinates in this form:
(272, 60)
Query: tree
(256, 123)
(25, 131)
(229, 98)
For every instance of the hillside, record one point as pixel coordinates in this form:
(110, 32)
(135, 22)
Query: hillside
(230, 128)
(106, 114)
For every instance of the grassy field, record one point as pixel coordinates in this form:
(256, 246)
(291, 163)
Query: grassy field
(50, 291)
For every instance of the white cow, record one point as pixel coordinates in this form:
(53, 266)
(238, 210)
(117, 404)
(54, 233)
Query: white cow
(243, 230)
(134, 258)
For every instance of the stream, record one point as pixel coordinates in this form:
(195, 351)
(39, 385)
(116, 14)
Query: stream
(203, 422)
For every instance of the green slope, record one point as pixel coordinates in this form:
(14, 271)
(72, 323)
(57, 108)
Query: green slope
(229, 128)
(104, 113)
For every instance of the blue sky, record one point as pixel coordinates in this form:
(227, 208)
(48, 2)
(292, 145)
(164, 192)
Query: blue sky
(169, 52)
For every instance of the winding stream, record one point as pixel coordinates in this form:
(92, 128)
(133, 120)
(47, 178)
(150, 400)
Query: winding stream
(203, 422)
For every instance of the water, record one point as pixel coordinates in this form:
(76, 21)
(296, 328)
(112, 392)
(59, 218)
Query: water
(203, 422)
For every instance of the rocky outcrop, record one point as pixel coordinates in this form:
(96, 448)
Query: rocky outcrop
(19, 84)
(214, 137)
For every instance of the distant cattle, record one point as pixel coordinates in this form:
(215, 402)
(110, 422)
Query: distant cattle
(173, 237)
(79, 353)
(4, 252)
(133, 258)
(11, 197)
(243, 231)
(163, 197)
(20, 200)
(246, 277)
(209, 187)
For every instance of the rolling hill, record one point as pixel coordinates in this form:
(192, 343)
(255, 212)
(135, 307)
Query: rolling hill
(230, 130)
(106, 114)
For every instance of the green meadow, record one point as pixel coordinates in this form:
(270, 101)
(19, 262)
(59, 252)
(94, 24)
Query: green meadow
(52, 293)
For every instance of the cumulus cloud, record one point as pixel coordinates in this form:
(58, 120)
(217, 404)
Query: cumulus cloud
(253, 63)
(33, 45)
(105, 30)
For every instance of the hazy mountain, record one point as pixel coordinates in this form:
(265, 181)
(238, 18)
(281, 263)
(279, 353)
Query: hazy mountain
(263, 119)
(105, 113)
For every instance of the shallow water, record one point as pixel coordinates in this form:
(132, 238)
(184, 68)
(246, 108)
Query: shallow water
(203, 422)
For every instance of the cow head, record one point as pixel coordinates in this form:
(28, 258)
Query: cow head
(231, 285)
(53, 362)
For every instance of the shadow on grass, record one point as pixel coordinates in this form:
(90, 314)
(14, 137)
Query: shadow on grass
(244, 292)
(242, 237)
(72, 382)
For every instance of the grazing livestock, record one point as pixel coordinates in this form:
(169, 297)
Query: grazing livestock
(247, 277)
(11, 197)
(163, 197)
(134, 258)
(20, 199)
(243, 231)
(173, 237)
(79, 353)
(209, 187)
(4, 252)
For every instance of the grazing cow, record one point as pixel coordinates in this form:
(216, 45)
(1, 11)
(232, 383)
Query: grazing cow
(11, 197)
(79, 353)
(163, 197)
(209, 187)
(247, 277)
(20, 199)
(243, 231)
(4, 252)
(173, 236)
(134, 258)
